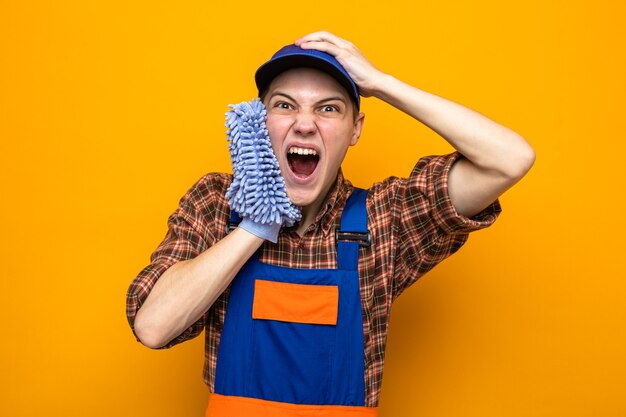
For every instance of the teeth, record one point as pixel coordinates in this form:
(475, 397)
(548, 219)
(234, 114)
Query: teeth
(302, 151)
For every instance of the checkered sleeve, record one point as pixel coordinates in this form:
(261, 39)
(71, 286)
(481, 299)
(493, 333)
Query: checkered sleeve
(187, 236)
(429, 227)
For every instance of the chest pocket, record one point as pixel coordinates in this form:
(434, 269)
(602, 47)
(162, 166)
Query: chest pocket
(297, 303)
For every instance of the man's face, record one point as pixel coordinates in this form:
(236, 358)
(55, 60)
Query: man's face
(311, 125)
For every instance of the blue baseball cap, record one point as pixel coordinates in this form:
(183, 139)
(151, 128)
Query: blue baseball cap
(292, 56)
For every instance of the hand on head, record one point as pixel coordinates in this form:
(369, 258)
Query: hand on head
(361, 70)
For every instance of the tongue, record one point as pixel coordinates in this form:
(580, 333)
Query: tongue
(303, 165)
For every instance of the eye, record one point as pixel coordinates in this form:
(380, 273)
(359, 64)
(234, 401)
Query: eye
(283, 105)
(330, 108)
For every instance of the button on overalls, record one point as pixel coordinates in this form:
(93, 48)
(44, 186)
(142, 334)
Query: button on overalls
(292, 342)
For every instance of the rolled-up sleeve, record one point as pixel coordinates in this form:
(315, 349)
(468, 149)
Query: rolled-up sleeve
(429, 227)
(444, 213)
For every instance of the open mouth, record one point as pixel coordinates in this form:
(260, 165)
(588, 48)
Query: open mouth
(302, 161)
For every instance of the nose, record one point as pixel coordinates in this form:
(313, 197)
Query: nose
(305, 124)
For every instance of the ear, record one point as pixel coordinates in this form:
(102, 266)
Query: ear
(358, 126)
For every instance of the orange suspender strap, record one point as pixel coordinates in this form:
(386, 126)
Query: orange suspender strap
(230, 406)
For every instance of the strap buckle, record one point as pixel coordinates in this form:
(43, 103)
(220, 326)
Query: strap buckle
(363, 238)
(231, 226)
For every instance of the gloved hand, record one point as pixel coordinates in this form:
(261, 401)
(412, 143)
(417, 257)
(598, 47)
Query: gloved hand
(257, 192)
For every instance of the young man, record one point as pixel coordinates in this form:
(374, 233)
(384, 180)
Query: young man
(296, 318)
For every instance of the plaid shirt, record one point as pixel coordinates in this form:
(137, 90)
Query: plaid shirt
(413, 226)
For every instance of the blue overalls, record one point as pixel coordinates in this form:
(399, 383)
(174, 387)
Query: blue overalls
(292, 342)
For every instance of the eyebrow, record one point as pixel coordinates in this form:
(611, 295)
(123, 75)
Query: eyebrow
(325, 99)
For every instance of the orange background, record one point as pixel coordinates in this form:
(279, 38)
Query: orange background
(111, 110)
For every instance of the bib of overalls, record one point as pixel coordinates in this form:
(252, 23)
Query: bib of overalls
(292, 342)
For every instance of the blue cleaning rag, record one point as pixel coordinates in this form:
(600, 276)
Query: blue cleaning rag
(258, 190)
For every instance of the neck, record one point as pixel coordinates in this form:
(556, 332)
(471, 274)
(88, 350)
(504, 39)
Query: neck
(309, 213)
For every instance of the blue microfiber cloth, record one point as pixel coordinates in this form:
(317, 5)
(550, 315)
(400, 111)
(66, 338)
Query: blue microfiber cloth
(258, 190)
